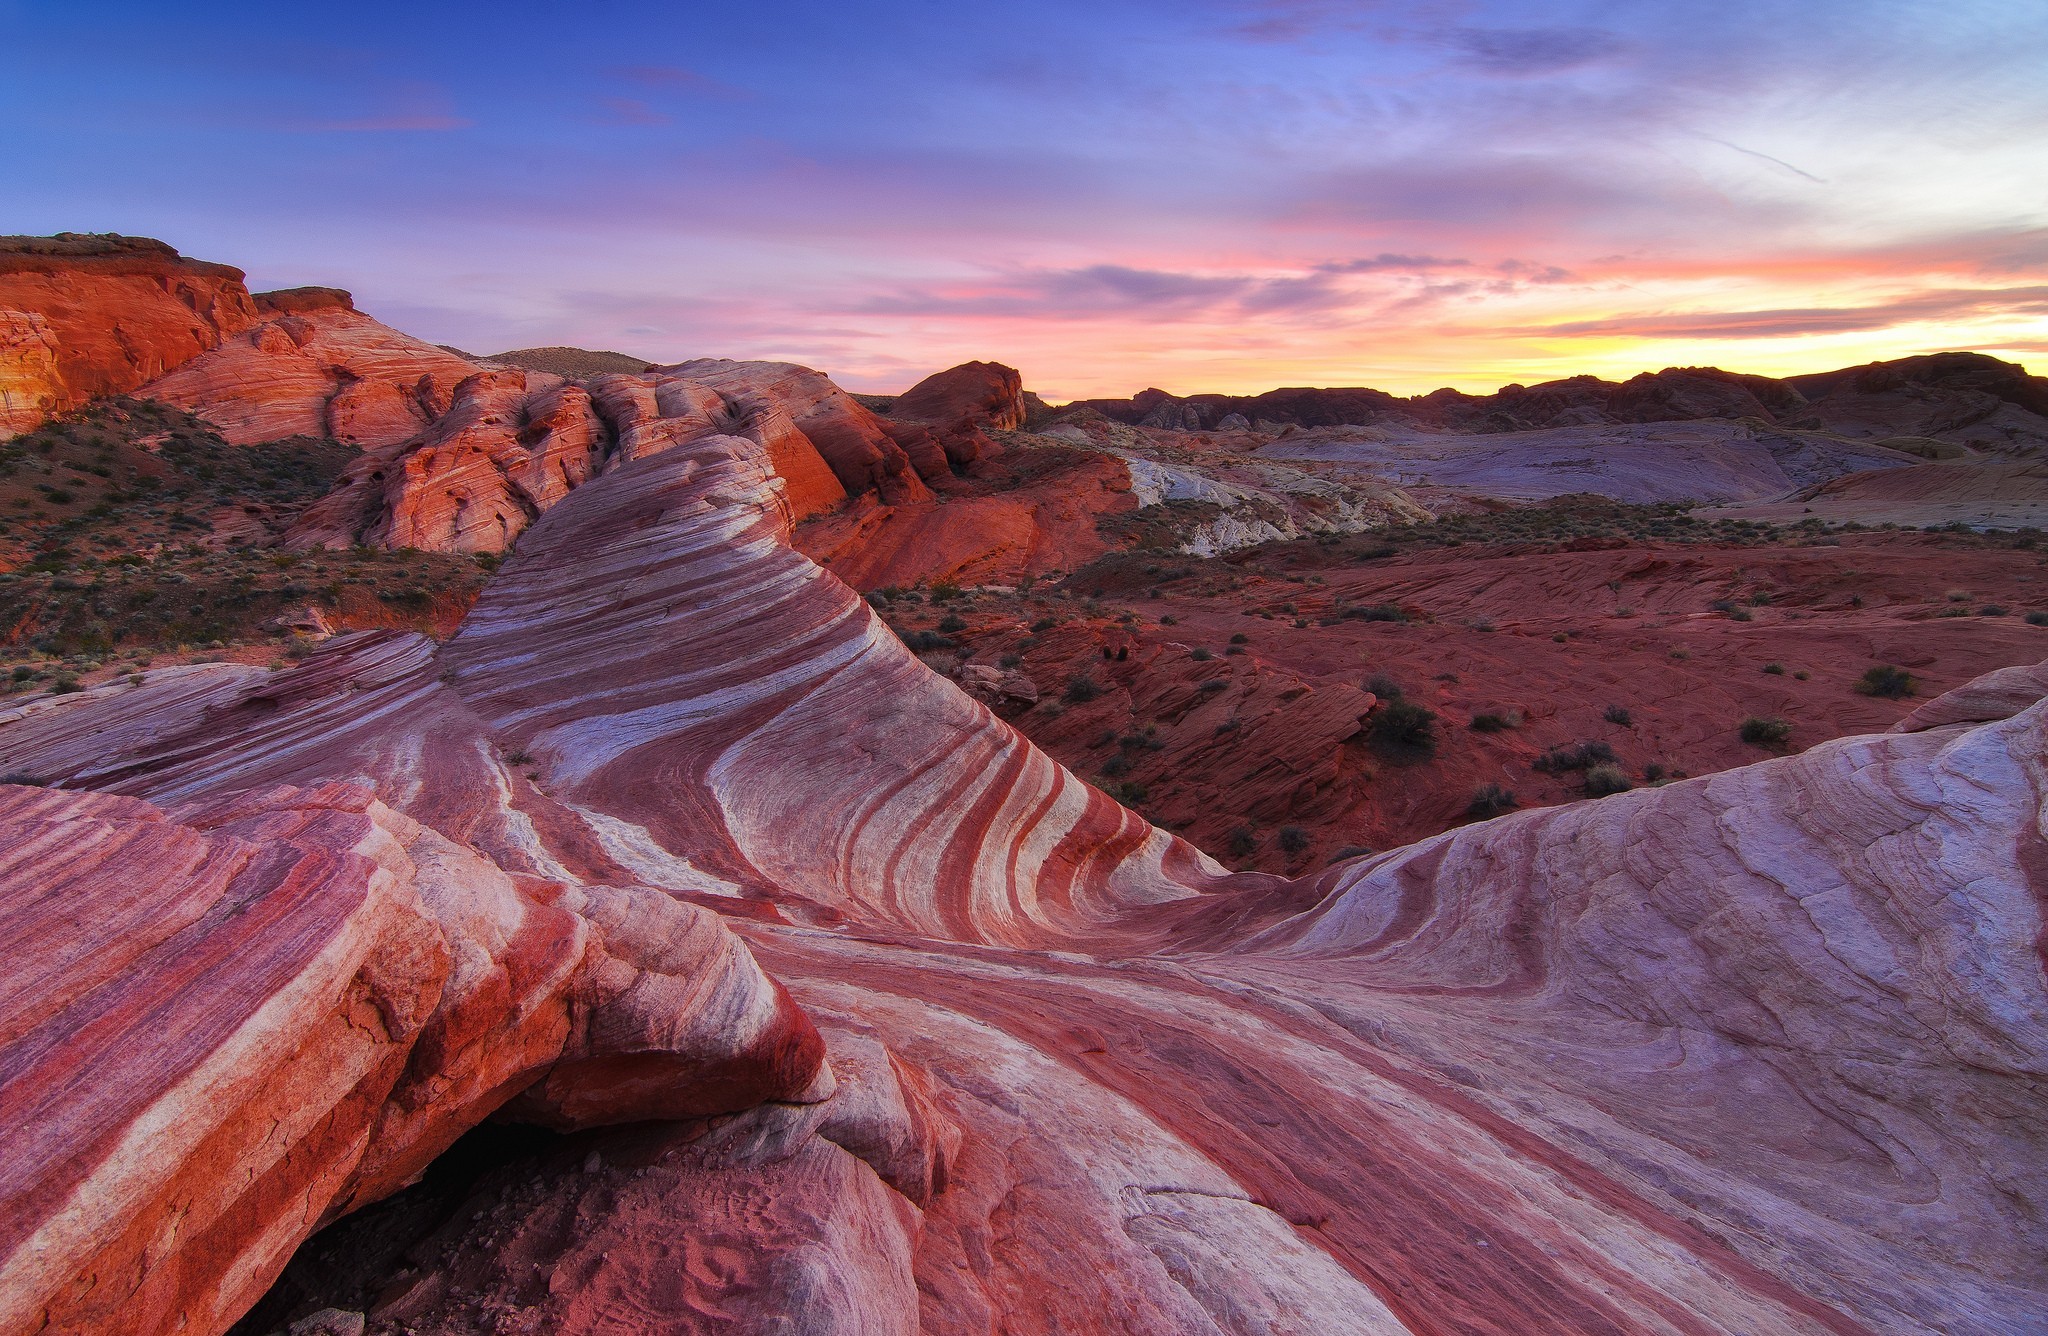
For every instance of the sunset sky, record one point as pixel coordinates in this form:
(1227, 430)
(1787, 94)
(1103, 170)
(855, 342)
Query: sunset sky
(1199, 195)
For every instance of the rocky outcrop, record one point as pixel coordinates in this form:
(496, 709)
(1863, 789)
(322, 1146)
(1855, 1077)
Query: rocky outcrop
(227, 1023)
(1758, 1052)
(973, 394)
(85, 316)
(1957, 397)
(865, 452)
(513, 444)
(317, 367)
(960, 405)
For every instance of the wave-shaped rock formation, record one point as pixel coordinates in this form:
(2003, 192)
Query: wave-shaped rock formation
(1754, 1053)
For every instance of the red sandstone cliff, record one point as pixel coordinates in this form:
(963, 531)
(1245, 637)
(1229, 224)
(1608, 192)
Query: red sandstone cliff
(84, 316)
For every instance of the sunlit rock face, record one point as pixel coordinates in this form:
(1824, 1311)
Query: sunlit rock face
(511, 444)
(85, 316)
(316, 366)
(1752, 1053)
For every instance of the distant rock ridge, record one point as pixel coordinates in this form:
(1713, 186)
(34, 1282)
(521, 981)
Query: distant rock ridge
(571, 363)
(1967, 398)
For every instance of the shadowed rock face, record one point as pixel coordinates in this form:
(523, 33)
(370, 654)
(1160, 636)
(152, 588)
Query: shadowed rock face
(1753, 1053)
(85, 316)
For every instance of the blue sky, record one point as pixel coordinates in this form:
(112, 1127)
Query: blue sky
(1200, 195)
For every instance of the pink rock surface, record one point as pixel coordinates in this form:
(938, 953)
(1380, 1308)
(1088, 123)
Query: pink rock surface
(1754, 1053)
(283, 1005)
(319, 367)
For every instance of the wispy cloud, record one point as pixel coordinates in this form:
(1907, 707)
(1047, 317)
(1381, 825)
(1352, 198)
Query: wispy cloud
(632, 111)
(1925, 306)
(1520, 53)
(675, 79)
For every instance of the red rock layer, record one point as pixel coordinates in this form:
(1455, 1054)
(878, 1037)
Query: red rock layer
(221, 1027)
(515, 443)
(318, 367)
(85, 316)
(1753, 1053)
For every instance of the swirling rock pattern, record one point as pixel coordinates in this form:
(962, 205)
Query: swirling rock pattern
(1753, 1053)
(316, 367)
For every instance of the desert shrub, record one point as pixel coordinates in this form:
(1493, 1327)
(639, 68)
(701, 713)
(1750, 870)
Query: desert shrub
(1402, 726)
(1765, 732)
(1577, 756)
(1888, 682)
(1740, 615)
(1386, 688)
(1293, 840)
(1653, 773)
(950, 623)
(1240, 639)
(1212, 686)
(1116, 765)
(1042, 625)
(1201, 654)
(1352, 851)
(1378, 612)
(1615, 714)
(1240, 841)
(1494, 723)
(519, 758)
(1490, 800)
(922, 642)
(1603, 780)
(1127, 793)
(1081, 687)
(25, 778)
(1991, 610)
(1775, 669)
(1169, 620)
(1233, 649)
(944, 591)
(2037, 619)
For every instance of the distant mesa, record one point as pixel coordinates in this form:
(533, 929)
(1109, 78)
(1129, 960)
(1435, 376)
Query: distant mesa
(572, 363)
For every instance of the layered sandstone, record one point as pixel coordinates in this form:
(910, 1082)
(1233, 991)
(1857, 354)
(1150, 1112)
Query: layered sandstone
(512, 444)
(317, 367)
(85, 316)
(227, 1023)
(1758, 1052)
